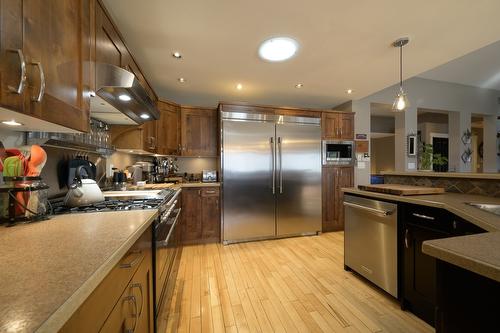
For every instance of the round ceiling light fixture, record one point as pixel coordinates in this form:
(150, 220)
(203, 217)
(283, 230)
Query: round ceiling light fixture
(349, 91)
(299, 85)
(239, 86)
(177, 55)
(278, 49)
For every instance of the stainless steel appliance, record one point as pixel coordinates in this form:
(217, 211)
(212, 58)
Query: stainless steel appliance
(209, 176)
(271, 176)
(370, 241)
(338, 152)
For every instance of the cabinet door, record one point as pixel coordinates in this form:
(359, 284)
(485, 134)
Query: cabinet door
(57, 49)
(12, 81)
(168, 129)
(334, 179)
(420, 272)
(109, 48)
(198, 132)
(346, 126)
(141, 287)
(210, 218)
(330, 125)
(344, 178)
(191, 214)
(149, 136)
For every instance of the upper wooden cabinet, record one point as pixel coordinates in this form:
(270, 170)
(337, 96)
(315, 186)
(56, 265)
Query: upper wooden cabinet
(45, 51)
(198, 131)
(137, 138)
(168, 133)
(337, 125)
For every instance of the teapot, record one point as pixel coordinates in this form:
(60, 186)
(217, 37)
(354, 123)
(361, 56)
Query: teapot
(83, 192)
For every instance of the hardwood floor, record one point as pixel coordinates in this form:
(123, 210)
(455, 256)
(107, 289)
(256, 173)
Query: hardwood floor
(287, 285)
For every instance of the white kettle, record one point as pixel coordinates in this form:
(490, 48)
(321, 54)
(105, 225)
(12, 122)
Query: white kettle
(83, 191)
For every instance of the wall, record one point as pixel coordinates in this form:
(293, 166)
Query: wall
(196, 164)
(382, 154)
(428, 94)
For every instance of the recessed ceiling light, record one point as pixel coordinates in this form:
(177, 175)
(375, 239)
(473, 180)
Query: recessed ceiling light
(11, 123)
(144, 116)
(349, 91)
(181, 80)
(278, 49)
(177, 55)
(299, 85)
(239, 86)
(124, 97)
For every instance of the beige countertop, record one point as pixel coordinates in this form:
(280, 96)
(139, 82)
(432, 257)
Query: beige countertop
(478, 253)
(48, 269)
(168, 185)
(468, 175)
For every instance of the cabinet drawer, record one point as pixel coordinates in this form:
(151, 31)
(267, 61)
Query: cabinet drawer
(210, 192)
(430, 217)
(93, 312)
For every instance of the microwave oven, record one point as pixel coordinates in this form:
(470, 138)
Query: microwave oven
(338, 152)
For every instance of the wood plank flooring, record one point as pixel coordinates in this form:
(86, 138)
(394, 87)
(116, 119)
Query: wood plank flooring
(287, 285)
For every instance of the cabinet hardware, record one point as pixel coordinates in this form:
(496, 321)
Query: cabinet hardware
(22, 80)
(132, 299)
(41, 92)
(281, 165)
(341, 132)
(406, 238)
(133, 262)
(454, 224)
(369, 209)
(139, 286)
(210, 192)
(425, 217)
(273, 164)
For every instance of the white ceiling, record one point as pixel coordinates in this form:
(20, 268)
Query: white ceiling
(343, 44)
(480, 68)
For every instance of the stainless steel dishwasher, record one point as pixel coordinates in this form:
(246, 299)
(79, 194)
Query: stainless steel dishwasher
(370, 237)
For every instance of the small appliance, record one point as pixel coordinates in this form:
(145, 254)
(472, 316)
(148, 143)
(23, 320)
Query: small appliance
(338, 152)
(209, 176)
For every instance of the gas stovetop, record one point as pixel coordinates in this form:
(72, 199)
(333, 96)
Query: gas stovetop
(120, 201)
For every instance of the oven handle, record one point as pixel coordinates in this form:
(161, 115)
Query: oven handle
(165, 216)
(164, 242)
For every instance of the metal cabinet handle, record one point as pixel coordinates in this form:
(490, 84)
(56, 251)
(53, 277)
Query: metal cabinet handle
(425, 217)
(341, 132)
(281, 165)
(41, 92)
(132, 299)
(139, 286)
(273, 164)
(210, 192)
(22, 80)
(406, 239)
(369, 209)
(133, 262)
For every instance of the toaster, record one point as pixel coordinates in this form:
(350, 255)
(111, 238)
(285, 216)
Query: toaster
(209, 176)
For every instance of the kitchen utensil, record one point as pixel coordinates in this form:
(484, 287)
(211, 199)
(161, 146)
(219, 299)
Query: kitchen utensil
(83, 191)
(37, 161)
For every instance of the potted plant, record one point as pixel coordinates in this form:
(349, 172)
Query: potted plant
(428, 159)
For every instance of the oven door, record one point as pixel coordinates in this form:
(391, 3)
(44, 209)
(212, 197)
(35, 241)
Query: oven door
(337, 152)
(165, 249)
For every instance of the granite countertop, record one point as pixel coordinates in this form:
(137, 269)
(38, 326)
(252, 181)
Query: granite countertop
(478, 253)
(468, 175)
(48, 269)
(168, 185)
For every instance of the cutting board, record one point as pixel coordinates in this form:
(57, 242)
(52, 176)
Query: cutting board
(397, 189)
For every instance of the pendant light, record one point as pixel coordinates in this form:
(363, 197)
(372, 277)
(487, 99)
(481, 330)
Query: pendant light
(401, 102)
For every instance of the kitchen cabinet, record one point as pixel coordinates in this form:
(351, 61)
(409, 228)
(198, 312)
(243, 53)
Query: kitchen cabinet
(337, 125)
(333, 180)
(45, 53)
(137, 138)
(168, 133)
(201, 215)
(421, 223)
(198, 131)
(125, 291)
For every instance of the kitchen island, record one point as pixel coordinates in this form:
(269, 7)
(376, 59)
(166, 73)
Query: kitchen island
(48, 269)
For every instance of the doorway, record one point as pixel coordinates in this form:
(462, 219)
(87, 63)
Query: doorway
(440, 146)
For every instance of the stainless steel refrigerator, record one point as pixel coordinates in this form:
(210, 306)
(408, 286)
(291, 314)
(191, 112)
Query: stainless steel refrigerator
(271, 176)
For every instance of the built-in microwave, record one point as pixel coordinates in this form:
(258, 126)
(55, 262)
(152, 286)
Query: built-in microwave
(338, 152)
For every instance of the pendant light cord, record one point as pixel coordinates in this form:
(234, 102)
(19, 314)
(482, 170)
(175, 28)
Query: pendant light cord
(401, 66)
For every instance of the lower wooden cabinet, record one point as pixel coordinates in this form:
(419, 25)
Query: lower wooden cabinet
(334, 179)
(124, 299)
(201, 215)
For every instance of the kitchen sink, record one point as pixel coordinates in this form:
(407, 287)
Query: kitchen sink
(491, 208)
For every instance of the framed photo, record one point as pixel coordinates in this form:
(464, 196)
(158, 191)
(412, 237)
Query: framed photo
(412, 145)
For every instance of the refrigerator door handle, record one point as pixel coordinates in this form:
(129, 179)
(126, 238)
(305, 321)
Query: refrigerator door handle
(273, 165)
(281, 167)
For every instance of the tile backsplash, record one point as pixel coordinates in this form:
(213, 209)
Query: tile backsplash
(488, 187)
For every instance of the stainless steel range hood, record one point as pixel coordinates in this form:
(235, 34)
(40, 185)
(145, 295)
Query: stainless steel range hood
(120, 98)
